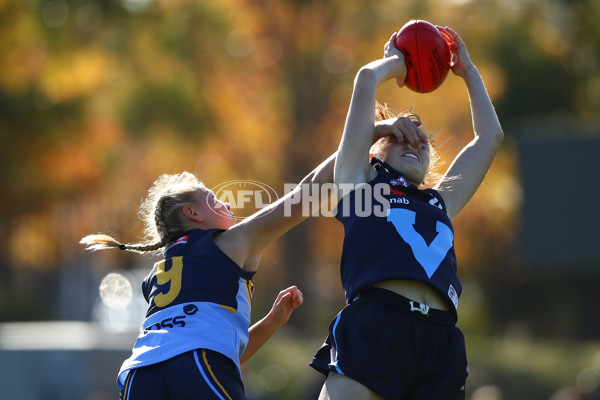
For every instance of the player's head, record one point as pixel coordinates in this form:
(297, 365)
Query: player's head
(416, 164)
(177, 203)
(174, 205)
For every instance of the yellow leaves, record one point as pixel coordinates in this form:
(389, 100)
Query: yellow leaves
(76, 74)
(23, 68)
(153, 60)
(23, 51)
(222, 88)
(32, 242)
(251, 124)
(81, 159)
(70, 163)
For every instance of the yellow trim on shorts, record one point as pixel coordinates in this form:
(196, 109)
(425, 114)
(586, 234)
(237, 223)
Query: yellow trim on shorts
(127, 383)
(213, 375)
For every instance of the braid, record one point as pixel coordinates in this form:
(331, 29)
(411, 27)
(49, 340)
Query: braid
(143, 248)
(161, 227)
(102, 241)
(160, 212)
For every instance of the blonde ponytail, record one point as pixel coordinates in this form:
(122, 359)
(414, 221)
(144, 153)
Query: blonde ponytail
(160, 213)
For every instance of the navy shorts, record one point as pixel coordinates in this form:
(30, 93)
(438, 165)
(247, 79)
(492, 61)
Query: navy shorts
(199, 374)
(389, 345)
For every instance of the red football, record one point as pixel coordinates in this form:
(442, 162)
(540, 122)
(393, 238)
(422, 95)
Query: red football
(427, 55)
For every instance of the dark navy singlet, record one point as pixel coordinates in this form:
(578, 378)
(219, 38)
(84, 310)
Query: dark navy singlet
(210, 276)
(393, 230)
(198, 298)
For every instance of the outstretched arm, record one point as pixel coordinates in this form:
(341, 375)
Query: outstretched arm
(287, 300)
(470, 166)
(255, 232)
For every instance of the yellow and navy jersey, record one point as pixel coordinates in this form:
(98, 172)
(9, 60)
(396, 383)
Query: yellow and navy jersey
(393, 230)
(193, 269)
(198, 298)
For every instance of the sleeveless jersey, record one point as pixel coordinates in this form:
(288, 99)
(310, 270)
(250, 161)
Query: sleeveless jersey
(393, 230)
(197, 298)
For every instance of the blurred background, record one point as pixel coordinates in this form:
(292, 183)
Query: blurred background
(98, 98)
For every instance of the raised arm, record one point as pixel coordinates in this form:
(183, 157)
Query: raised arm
(255, 232)
(470, 166)
(360, 131)
(352, 164)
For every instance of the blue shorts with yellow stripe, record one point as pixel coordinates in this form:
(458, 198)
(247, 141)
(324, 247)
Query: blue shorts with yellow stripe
(198, 374)
(397, 348)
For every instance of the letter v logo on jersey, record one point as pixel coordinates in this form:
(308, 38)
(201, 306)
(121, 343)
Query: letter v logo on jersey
(430, 257)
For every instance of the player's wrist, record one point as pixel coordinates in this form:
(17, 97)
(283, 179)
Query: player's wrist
(469, 72)
(274, 321)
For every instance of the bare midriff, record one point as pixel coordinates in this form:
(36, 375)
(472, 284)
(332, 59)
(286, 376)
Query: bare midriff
(416, 291)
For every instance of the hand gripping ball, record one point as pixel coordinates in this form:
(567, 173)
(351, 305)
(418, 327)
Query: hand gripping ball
(426, 53)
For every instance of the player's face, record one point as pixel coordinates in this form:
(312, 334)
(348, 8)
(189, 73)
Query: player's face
(412, 162)
(216, 213)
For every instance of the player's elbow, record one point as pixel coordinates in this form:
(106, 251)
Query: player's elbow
(366, 76)
(492, 137)
(498, 135)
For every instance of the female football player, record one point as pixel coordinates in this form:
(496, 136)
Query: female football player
(196, 333)
(397, 338)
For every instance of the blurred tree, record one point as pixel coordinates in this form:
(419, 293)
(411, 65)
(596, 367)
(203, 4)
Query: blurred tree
(99, 98)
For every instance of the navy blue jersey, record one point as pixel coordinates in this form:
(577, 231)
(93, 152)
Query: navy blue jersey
(209, 276)
(198, 298)
(393, 230)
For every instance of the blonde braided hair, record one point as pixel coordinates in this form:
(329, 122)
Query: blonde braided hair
(160, 214)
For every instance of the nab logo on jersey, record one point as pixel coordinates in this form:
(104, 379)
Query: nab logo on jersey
(398, 200)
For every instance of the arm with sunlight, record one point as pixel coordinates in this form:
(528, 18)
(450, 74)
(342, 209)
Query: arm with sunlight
(285, 303)
(467, 171)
